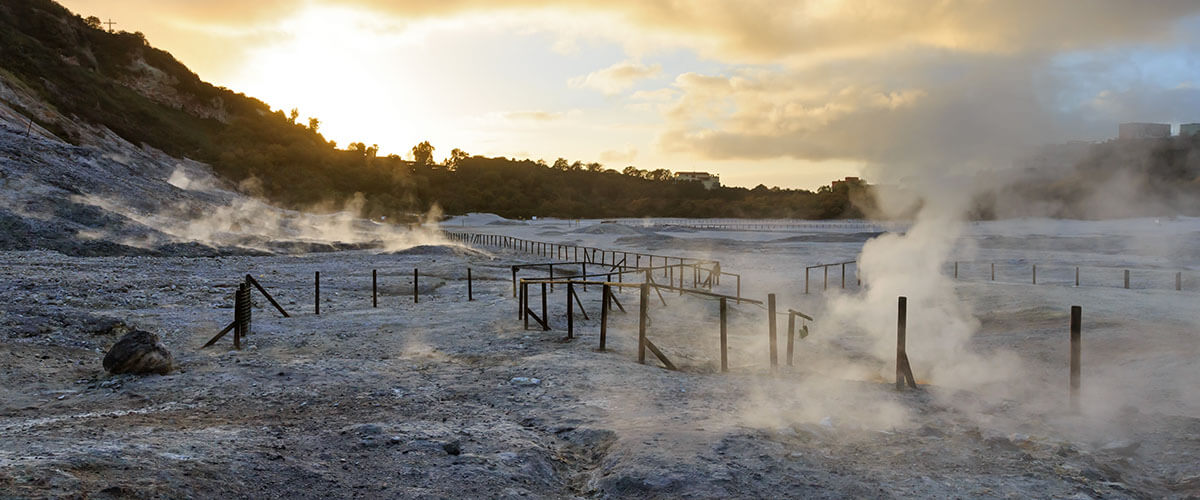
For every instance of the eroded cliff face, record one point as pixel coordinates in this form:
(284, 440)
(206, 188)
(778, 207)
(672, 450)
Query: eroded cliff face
(162, 88)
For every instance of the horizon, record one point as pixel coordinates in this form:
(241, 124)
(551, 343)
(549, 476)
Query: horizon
(791, 96)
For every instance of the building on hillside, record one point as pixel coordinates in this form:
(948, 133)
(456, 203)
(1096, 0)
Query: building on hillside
(1189, 129)
(710, 181)
(1143, 130)
(852, 180)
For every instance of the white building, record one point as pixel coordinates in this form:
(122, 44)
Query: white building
(1143, 130)
(710, 181)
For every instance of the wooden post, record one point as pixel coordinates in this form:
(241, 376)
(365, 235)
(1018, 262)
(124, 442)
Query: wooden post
(1076, 352)
(521, 302)
(415, 277)
(1126, 278)
(470, 291)
(771, 331)
(791, 334)
(545, 317)
(826, 285)
(724, 343)
(956, 269)
(806, 270)
(843, 275)
(643, 315)
(570, 311)
(605, 291)
(374, 288)
(1178, 281)
(1077, 276)
(739, 288)
(1035, 274)
(993, 271)
(317, 293)
(903, 370)
(514, 280)
(525, 302)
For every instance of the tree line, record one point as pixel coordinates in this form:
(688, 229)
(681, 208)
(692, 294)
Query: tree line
(88, 74)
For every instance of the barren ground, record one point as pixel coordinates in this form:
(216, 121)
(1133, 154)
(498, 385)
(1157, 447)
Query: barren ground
(425, 400)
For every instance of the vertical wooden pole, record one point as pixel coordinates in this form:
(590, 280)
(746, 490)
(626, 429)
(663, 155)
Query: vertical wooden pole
(1127, 278)
(470, 290)
(771, 331)
(1035, 274)
(739, 288)
(724, 333)
(993, 271)
(525, 302)
(317, 293)
(415, 277)
(605, 291)
(374, 288)
(551, 266)
(570, 310)
(1178, 281)
(791, 334)
(514, 280)
(545, 317)
(1076, 275)
(901, 326)
(956, 269)
(826, 285)
(643, 315)
(1076, 352)
(806, 270)
(843, 275)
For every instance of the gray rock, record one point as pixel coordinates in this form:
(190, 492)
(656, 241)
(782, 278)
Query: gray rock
(138, 352)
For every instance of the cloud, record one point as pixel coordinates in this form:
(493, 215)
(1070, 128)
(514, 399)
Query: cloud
(766, 30)
(907, 109)
(534, 115)
(616, 78)
(619, 157)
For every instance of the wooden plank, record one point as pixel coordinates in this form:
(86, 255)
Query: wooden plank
(221, 334)
(267, 295)
(659, 354)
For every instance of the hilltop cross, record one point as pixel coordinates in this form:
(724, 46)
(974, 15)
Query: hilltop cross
(110, 24)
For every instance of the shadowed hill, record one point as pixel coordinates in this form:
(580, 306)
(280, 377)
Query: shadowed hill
(88, 77)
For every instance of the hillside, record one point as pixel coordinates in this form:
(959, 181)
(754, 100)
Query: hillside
(88, 77)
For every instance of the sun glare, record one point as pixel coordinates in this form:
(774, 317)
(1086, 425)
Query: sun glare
(336, 65)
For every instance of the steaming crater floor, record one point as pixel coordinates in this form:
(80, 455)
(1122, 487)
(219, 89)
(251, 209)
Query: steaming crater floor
(370, 402)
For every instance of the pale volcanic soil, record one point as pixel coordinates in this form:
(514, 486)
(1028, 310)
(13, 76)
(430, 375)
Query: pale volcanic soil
(428, 399)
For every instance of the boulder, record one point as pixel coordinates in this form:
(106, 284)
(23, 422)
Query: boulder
(138, 352)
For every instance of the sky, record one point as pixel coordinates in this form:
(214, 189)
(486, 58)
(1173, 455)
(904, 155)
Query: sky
(789, 93)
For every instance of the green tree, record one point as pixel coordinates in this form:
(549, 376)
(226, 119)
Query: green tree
(659, 174)
(423, 153)
(456, 157)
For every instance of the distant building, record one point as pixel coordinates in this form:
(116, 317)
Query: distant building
(853, 180)
(710, 181)
(1143, 130)
(1188, 129)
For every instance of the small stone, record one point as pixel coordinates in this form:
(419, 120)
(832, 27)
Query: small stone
(526, 381)
(1124, 447)
(453, 447)
(138, 352)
